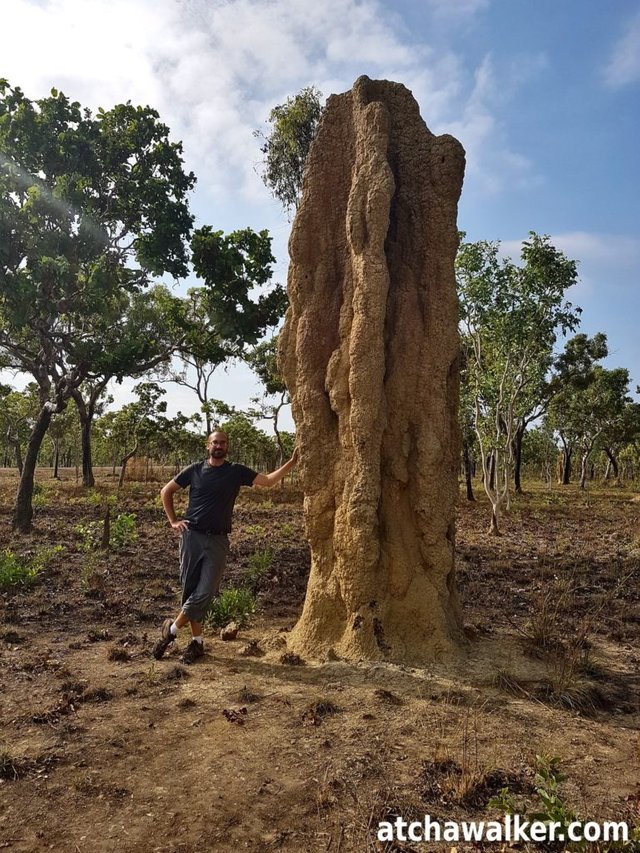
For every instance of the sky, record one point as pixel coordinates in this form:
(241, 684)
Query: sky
(544, 97)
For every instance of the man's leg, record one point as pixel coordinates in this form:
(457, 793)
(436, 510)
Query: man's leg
(212, 568)
(191, 558)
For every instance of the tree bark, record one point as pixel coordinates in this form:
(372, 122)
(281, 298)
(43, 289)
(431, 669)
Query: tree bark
(517, 455)
(466, 457)
(86, 413)
(613, 461)
(18, 457)
(583, 470)
(23, 510)
(56, 459)
(566, 465)
(123, 464)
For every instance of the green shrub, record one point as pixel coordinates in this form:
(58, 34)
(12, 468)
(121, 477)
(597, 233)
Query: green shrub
(16, 571)
(122, 532)
(39, 499)
(235, 604)
(551, 808)
(259, 564)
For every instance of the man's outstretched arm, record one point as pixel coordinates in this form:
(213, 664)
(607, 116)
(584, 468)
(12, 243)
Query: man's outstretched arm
(277, 475)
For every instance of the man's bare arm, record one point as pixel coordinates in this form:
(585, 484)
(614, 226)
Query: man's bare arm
(166, 495)
(277, 475)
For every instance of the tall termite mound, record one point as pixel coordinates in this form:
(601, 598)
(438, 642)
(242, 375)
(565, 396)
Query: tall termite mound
(369, 351)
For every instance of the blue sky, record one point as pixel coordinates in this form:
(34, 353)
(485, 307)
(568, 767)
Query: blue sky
(543, 96)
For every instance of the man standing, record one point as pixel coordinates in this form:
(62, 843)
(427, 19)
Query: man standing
(204, 534)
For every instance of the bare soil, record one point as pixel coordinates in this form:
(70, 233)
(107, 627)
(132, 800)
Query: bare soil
(103, 748)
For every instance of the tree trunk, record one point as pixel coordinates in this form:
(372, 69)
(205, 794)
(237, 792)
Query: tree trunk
(23, 509)
(583, 469)
(56, 459)
(494, 529)
(18, 457)
(123, 464)
(492, 471)
(517, 455)
(466, 457)
(566, 465)
(613, 462)
(87, 463)
(86, 413)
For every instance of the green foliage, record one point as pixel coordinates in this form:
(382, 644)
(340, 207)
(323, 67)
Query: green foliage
(263, 359)
(91, 208)
(248, 444)
(510, 316)
(232, 605)
(550, 807)
(16, 571)
(293, 127)
(39, 496)
(259, 564)
(235, 269)
(592, 405)
(122, 532)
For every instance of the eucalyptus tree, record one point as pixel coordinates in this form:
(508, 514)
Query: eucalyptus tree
(620, 432)
(293, 127)
(572, 372)
(510, 317)
(584, 414)
(91, 208)
(18, 411)
(231, 310)
(146, 334)
(263, 359)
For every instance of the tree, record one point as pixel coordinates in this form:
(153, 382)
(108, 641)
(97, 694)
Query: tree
(510, 318)
(573, 371)
(90, 209)
(263, 359)
(231, 311)
(250, 445)
(63, 425)
(135, 424)
(293, 127)
(621, 431)
(145, 335)
(582, 415)
(18, 411)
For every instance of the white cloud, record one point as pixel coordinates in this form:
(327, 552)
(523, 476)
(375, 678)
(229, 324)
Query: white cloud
(214, 69)
(617, 251)
(623, 67)
(456, 10)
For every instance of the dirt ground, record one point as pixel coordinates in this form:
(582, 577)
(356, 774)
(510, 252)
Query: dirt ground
(103, 748)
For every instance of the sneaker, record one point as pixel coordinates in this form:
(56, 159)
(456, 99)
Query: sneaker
(166, 638)
(193, 651)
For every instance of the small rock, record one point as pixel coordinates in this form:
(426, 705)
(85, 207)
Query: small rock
(251, 650)
(291, 659)
(229, 632)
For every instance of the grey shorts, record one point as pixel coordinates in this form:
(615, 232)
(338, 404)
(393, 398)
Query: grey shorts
(202, 562)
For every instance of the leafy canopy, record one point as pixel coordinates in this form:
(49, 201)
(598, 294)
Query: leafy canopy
(293, 127)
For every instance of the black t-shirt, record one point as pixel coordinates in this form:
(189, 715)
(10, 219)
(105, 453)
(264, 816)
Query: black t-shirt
(214, 489)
